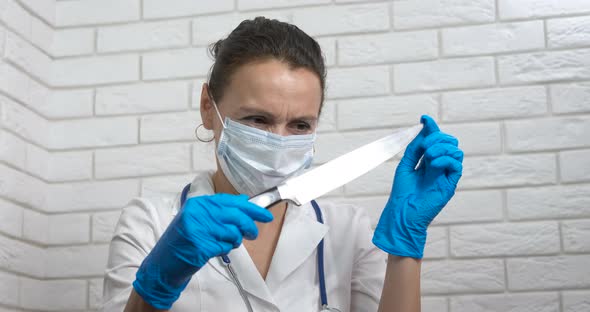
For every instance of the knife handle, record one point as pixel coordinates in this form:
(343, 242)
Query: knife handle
(266, 198)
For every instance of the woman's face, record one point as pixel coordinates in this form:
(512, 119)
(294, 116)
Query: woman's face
(267, 95)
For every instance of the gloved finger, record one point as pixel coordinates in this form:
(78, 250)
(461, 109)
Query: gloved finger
(230, 234)
(450, 166)
(415, 149)
(439, 137)
(443, 149)
(430, 125)
(241, 202)
(223, 248)
(254, 211)
(241, 221)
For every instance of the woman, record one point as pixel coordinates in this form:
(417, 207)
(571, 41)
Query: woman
(262, 103)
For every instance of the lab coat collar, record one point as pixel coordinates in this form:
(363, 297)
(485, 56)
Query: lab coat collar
(300, 235)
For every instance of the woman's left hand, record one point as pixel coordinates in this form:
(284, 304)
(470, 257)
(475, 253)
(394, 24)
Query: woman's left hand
(419, 194)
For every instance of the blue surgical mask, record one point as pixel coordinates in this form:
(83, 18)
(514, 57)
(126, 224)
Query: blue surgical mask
(255, 160)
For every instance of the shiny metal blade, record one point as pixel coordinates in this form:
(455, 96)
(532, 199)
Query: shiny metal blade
(341, 170)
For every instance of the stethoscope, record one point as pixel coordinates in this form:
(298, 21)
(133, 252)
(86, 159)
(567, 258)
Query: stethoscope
(227, 262)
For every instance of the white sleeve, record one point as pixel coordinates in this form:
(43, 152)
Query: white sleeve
(368, 271)
(135, 235)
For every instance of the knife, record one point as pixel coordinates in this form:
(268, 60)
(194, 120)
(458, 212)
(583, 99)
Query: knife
(337, 172)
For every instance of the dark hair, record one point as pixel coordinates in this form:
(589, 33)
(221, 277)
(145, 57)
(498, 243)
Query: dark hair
(259, 39)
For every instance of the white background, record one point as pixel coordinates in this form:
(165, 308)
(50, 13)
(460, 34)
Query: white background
(98, 103)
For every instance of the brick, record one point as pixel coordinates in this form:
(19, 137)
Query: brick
(167, 185)
(570, 98)
(390, 111)
(468, 276)
(262, 4)
(544, 66)
(204, 158)
(93, 132)
(71, 42)
(11, 219)
(76, 261)
(182, 63)
(328, 46)
(328, 118)
(153, 159)
(103, 226)
(175, 8)
(331, 145)
(434, 304)
(568, 32)
(432, 13)
(21, 257)
(36, 227)
(59, 166)
(81, 196)
(67, 103)
(472, 206)
(526, 302)
(95, 293)
(41, 35)
(547, 134)
(68, 229)
(43, 8)
(16, 185)
(388, 48)
(358, 81)
(209, 29)
(576, 301)
(8, 291)
(95, 70)
(494, 38)
(477, 138)
(494, 103)
(576, 235)
(329, 20)
(444, 74)
(437, 243)
(575, 166)
(88, 12)
(142, 98)
(15, 83)
(540, 8)
(169, 127)
(507, 239)
(13, 150)
(15, 17)
(564, 201)
(56, 229)
(513, 170)
(143, 36)
(55, 295)
(555, 272)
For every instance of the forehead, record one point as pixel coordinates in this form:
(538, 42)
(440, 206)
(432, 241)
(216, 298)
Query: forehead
(275, 87)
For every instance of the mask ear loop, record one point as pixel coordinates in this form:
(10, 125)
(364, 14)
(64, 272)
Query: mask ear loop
(215, 106)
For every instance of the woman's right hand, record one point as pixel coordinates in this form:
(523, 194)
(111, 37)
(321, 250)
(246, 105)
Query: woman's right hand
(206, 227)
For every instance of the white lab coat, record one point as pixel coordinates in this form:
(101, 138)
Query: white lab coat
(354, 268)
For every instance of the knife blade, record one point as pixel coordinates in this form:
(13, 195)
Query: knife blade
(337, 172)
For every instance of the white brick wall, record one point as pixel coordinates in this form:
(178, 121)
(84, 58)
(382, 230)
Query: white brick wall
(88, 85)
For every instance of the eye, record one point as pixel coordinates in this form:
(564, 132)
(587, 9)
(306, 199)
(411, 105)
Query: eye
(301, 126)
(255, 120)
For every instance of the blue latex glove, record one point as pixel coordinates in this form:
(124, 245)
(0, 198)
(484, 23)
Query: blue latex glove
(419, 194)
(206, 227)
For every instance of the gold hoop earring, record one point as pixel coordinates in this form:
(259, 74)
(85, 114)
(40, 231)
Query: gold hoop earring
(199, 138)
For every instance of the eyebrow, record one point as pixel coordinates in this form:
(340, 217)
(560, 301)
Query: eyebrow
(255, 111)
